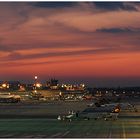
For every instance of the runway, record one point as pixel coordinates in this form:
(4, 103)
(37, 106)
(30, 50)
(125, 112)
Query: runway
(26, 126)
(44, 128)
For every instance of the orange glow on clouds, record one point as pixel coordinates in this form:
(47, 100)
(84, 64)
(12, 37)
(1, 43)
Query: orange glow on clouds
(114, 65)
(79, 41)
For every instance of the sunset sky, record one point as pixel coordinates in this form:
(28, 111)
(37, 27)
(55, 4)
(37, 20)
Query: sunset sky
(94, 42)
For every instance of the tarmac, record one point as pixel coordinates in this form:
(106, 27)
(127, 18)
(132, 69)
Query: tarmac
(38, 120)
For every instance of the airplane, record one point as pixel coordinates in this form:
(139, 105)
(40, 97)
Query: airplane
(100, 113)
(91, 105)
(67, 117)
(123, 106)
(98, 103)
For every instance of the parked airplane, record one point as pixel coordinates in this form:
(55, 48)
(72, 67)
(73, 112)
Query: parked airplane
(123, 106)
(100, 113)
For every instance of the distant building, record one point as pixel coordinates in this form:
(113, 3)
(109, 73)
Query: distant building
(9, 85)
(52, 84)
(22, 87)
(29, 86)
(70, 87)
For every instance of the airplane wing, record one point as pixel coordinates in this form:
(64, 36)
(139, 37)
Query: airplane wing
(69, 116)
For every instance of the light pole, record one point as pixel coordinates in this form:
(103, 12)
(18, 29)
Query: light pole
(35, 82)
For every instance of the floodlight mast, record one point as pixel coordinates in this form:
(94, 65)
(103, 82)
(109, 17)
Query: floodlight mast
(35, 82)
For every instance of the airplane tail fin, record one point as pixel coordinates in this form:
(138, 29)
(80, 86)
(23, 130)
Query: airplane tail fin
(117, 109)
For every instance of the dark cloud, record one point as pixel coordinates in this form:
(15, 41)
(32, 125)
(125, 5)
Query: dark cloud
(118, 30)
(99, 5)
(115, 6)
(53, 4)
(18, 56)
(19, 64)
(5, 48)
(49, 44)
(13, 56)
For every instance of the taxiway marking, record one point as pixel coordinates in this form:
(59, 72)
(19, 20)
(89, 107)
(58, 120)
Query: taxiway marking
(124, 133)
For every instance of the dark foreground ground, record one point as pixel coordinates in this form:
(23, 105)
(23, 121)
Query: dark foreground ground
(40, 121)
(43, 128)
